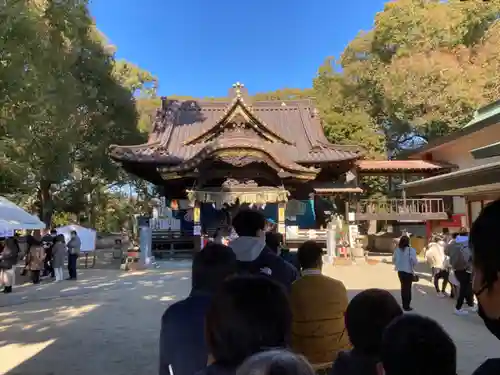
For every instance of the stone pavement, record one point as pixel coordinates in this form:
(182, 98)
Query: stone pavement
(107, 322)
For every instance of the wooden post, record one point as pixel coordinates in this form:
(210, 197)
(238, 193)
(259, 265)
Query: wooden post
(347, 210)
(403, 190)
(197, 227)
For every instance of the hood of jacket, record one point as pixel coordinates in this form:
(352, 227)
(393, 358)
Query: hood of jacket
(247, 249)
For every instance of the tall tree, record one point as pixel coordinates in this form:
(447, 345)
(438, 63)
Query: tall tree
(63, 98)
(424, 67)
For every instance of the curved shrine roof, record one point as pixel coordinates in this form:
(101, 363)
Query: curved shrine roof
(183, 129)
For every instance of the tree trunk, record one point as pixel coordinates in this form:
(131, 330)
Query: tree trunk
(46, 204)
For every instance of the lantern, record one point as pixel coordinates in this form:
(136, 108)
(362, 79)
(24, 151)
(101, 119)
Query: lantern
(174, 205)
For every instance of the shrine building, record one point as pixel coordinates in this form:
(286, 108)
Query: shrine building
(213, 156)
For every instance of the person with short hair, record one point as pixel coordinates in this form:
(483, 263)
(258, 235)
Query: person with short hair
(416, 345)
(48, 244)
(183, 350)
(366, 317)
(58, 254)
(460, 257)
(254, 256)
(274, 240)
(483, 242)
(405, 260)
(276, 362)
(318, 305)
(249, 314)
(74, 246)
(439, 264)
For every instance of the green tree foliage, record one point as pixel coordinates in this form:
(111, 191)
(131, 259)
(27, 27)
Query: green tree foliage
(63, 100)
(424, 67)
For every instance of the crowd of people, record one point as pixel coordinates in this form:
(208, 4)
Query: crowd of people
(450, 258)
(252, 312)
(43, 258)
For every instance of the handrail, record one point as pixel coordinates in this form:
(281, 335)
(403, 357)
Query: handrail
(400, 206)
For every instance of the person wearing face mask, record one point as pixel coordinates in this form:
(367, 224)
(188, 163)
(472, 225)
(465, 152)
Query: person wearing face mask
(483, 240)
(252, 253)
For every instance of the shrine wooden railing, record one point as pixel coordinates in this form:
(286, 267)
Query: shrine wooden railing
(420, 209)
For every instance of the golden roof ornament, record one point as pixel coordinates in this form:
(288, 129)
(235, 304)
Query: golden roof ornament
(237, 87)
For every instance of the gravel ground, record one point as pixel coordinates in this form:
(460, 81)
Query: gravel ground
(107, 322)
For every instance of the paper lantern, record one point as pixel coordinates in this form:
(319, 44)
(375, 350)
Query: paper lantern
(174, 205)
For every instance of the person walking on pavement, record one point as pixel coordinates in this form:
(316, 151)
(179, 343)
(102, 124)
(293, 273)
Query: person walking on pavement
(461, 262)
(405, 260)
(438, 262)
(74, 246)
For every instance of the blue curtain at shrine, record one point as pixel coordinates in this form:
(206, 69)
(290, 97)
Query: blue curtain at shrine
(306, 220)
(270, 211)
(211, 218)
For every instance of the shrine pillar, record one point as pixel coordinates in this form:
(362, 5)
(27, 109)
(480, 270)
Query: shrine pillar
(281, 217)
(197, 234)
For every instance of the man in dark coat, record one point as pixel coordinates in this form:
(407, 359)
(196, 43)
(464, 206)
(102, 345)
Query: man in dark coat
(182, 338)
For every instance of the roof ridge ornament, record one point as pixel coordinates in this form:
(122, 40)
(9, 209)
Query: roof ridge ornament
(237, 87)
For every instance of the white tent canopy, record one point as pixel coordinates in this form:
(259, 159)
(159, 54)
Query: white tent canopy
(87, 236)
(13, 217)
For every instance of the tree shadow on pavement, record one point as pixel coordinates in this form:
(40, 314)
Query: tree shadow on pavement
(107, 326)
(112, 325)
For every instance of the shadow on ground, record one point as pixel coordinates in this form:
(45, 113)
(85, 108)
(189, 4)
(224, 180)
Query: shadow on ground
(109, 323)
(103, 324)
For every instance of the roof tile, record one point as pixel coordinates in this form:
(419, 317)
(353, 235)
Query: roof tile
(294, 121)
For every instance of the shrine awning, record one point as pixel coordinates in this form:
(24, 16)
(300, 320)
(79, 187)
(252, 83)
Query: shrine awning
(327, 188)
(250, 195)
(482, 178)
(485, 152)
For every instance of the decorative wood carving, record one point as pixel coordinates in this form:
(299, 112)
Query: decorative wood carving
(239, 158)
(232, 183)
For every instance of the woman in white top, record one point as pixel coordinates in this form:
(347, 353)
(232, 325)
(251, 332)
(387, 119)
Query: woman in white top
(439, 264)
(405, 259)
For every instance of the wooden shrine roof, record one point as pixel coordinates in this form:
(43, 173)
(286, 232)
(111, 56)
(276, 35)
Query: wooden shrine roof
(183, 130)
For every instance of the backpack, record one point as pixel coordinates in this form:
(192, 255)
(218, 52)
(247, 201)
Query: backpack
(460, 256)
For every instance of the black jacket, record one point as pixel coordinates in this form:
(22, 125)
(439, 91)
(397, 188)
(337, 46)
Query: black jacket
(9, 256)
(272, 265)
(182, 336)
(353, 362)
(48, 244)
(490, 367)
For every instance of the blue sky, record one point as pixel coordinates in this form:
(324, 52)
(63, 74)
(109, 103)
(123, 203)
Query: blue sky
(201, 47)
